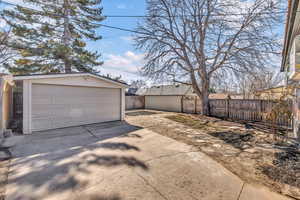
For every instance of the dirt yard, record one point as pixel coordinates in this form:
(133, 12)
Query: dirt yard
(247, 150)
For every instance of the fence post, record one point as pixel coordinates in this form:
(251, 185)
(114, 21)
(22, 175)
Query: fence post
(227, 108)
(182, 104)
(261, 110)
(196, 105)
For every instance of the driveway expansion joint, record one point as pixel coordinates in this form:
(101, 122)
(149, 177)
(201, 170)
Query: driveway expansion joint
(148, 183)
(171, 155)
(240, 193)
(90, 132)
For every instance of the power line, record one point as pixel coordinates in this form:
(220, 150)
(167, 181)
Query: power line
(103, 25)
(147, 16)
(122, 29)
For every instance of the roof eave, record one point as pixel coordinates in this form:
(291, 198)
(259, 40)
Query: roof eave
(29, 77)
(292, 8)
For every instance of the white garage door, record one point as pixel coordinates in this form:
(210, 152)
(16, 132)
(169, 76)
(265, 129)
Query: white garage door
(166, 103)
(56, 106)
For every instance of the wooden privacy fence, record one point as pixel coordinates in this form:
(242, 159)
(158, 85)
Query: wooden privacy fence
(134, 102)
(246, 110)
(235, 109)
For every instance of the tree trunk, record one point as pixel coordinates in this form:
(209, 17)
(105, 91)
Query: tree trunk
(205, 97)
(67, 36)
(68, 67)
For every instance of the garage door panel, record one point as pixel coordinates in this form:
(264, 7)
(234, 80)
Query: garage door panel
(41, 124)
(44, 100)
(40, 111)
(64, 106)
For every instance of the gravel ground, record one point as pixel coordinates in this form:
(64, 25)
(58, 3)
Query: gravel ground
(247, 150)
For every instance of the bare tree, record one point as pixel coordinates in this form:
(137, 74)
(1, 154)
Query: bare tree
(192, 41)
(5, 51)
(138, 84)
(248, 84)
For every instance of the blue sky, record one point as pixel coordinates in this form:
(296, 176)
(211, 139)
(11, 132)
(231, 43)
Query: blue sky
(119, 54)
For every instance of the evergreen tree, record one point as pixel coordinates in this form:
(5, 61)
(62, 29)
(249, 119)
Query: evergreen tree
(51, 36)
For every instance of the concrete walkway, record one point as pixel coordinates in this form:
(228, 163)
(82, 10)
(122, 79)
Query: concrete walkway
(117, 161)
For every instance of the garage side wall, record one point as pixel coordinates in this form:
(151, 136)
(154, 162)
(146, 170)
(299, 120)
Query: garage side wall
(296, 115)
(165, 103)
(123, 105)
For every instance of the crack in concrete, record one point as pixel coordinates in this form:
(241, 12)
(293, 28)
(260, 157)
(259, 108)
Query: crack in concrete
(5, 182)
(171, 155)
(239, 196)
(148, 183)
(90, 132)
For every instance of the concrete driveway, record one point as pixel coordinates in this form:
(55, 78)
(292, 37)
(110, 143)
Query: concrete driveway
(118, 161)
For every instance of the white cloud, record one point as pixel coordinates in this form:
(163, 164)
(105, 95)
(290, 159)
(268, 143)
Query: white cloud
(121, 6)
(127, 65)
(127, 38)
(2, 23)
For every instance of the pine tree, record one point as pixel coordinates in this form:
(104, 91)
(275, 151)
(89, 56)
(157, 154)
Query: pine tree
(51, 36)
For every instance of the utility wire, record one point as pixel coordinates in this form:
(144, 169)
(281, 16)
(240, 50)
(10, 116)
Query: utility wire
(147, 16)
(108, 26)
(122, 29)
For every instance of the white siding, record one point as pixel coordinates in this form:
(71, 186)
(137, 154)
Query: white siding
(57, 106)
(165, 103)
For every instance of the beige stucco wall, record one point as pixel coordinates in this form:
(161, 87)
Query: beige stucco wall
(296, 114)
(5, 102)
(7, 105)
(84, 81)
(135, 102)
(165, 103)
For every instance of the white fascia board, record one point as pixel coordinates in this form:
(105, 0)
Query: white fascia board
(30, 77)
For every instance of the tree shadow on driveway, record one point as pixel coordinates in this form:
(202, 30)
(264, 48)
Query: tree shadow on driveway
(53, 165)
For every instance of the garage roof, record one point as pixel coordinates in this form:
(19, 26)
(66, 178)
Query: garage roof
(74, 74)
(168, 90)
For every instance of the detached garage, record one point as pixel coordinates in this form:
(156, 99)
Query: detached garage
(166, 97)
(63, 100)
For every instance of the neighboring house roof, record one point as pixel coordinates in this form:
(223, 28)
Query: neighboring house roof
(166, 90)
(275, 92)
(271, 89)
(293, 6)
(219, 96)
(74, 74)
(175, 90)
